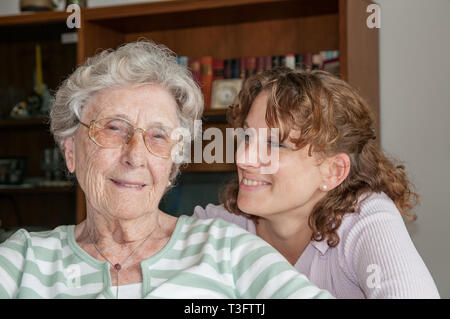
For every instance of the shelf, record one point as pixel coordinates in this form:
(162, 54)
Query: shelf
(234, 26)
(30, 18)
(11, 190)
(167, 14)
(194, 13)
(25, 122)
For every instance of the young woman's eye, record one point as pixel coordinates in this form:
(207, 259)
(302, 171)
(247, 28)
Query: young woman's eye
(275, 144)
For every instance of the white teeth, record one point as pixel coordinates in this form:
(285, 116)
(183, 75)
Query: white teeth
(250, 182)
(129, 185)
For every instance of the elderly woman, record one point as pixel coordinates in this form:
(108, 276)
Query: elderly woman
(334, 206)
(113, 119)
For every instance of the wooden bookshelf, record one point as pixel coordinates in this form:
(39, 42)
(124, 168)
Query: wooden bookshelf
(29, 137)
(229, 29)
(34, 18)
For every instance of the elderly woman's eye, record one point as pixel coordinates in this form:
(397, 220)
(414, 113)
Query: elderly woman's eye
(116, 125)
(113, 127)
(160, 136)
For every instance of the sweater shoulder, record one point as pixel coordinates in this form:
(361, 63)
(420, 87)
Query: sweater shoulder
(219, 212)
(50, 239)
(370, 206)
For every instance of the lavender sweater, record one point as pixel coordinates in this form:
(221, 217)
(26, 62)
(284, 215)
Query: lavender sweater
(375, 257)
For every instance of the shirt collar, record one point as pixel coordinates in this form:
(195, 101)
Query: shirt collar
(321, 246)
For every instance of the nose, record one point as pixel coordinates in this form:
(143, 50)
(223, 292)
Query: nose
(135, 151)
(247, 155)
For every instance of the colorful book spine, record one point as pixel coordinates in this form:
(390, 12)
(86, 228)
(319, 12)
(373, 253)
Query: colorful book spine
(227, 68)
(218, 69)
(275, 61)
(307, 62)
(282, 60)
(290, 61)
(250, 66)
(242, 67)
(207, 69)
(206, 65)
(317, 62)
(299, 62)
(259, 64)
(183, 60)
(235, 71)
(194, 66)
(267, 62)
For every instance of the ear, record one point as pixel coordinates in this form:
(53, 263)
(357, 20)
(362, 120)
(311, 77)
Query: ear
(334, 170)
(69, 153)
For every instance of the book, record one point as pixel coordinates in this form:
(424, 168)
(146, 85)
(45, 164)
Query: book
(316, 62)
(259, 67)
(242, 66)
(267, 62)
(299, 62)
(282, 60)
(276, 61)
(250, 66)
(183, 60)
(227, 69)
(235, 72)
(218, 69)
(194, 66)
(290, 61)
(307, 62)
(206, 65)
(332, 66)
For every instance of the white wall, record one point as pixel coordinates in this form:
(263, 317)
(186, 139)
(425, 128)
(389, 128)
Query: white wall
(9, 7)
(415, 117)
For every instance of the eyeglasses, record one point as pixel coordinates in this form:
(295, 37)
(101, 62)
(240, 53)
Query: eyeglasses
(114, 132)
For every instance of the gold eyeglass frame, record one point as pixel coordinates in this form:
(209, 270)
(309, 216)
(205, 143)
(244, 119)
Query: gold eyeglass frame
(92, 123)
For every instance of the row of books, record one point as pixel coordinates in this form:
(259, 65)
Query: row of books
(207, 69)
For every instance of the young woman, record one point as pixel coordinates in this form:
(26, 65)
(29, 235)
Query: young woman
(334, 206)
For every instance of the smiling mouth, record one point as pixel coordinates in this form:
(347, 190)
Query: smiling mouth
(128, 185)
(250, 182)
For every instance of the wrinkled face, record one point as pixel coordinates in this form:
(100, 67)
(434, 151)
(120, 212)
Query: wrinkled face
(128, 181)
(293, 188)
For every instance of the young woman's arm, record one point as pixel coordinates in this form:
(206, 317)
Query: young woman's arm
(381, 256)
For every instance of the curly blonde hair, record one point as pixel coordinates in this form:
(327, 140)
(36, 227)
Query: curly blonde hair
(332, 118)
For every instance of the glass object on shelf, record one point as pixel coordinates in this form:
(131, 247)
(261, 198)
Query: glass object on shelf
(9, 96)
(36, 5)
(38, 103)
(81, 3)
(12, 170)
(52, 164)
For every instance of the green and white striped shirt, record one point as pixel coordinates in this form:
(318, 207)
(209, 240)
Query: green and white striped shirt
(207, 258)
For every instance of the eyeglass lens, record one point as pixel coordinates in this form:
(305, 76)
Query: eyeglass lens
(112, 133)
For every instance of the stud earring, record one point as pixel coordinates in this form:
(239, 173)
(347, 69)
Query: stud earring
(324, 187)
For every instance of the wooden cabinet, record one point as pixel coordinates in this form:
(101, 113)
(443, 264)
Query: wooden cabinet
(235, 28)
(27, 205)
